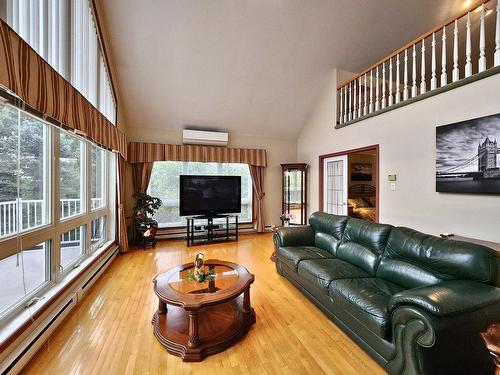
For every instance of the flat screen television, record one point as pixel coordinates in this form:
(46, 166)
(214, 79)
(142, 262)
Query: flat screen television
(209, 195)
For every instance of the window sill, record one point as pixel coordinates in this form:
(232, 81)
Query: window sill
(12, 328)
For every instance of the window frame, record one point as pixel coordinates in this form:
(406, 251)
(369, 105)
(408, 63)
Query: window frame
(184, 170)
(53, 230)
(20, 304)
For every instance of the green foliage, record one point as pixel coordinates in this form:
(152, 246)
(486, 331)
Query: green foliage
(145, 207)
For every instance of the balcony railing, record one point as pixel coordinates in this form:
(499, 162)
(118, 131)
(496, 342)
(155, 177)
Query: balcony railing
(32, 213)
(416, 68)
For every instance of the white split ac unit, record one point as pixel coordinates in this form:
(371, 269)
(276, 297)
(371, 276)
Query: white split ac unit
(201, 137)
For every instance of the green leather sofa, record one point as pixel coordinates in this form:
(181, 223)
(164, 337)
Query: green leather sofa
(416, 303)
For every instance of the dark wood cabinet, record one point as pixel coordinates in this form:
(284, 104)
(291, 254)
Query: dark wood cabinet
(294, 192)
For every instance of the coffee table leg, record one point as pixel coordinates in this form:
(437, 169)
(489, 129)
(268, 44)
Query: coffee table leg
(246, 301)
(162, 307)
(194, 336)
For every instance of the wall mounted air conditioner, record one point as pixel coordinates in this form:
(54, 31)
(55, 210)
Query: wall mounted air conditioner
(201, 137)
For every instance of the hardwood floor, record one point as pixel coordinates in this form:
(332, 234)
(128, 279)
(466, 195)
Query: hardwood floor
(110, 331)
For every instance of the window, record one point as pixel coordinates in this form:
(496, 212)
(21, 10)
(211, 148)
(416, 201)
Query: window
(98, 235)
(71, 175)
(164, 184)
(24, 192)
(72, 246)
(22, 274)
(98, 160)
(46, 248)
(64, 33)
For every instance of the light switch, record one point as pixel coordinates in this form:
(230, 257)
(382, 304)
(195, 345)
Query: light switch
(393, 186)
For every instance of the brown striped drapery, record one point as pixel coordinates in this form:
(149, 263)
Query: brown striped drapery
(257, 174)
(151, 152)
(122, 223)
(40, 87)
(141, 174)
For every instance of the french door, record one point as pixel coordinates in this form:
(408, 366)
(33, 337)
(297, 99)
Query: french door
(335, 185)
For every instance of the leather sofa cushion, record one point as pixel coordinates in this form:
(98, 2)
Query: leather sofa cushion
(367, 300)
(413, 259)
(328, 230)
(363, 243)
(323, 271)
(292, 255)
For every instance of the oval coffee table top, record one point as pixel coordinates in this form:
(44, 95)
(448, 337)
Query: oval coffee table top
(177, 287)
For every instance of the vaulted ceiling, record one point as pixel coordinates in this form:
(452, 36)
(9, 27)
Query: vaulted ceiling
(253, 67)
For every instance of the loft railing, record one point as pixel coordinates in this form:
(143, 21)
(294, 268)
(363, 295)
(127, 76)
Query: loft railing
(413, 69)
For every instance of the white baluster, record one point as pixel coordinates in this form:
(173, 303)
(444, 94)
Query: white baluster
(365, 103)
(355, 101)
(341, 106)
(345, 103)
(468, 49)
(482, 42)
(405, 77)
(377, 103)
(497, 37)
(371, 92)
(360, 112)
(414, 73)
(444, 76)
(423, 85)
(455, 75)
(390, 83)
(383, 85)
(349, 101)
(398, 95)
(433, 64)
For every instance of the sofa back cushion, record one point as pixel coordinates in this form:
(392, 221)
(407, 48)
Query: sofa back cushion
(363, 243)
(328, 230)
(413, 259)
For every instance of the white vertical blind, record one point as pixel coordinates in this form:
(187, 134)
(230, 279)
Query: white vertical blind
(64, 33)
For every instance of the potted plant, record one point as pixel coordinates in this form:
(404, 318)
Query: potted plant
(146, 227)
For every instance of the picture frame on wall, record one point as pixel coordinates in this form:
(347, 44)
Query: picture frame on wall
(468, 156)
(361, 172)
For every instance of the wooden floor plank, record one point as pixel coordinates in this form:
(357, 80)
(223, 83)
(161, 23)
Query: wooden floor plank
(110, 331)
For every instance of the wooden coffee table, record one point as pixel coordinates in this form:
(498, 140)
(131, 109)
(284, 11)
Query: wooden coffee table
(195, 319)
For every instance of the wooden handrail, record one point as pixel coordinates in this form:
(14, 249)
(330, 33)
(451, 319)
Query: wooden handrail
(476, 4)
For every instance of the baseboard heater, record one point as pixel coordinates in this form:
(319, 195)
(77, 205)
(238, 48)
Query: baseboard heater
(14, 363)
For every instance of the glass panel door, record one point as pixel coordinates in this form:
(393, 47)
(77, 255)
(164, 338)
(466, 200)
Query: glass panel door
(335, 185)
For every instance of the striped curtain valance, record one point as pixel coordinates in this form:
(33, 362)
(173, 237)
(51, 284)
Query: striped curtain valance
(39, 86)
(149, 152)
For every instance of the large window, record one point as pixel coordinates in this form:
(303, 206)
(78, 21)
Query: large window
(55, 210)
(98, 175)
(23, 274)
(24, 154)
(72, 246)
(164, 184)
(71, 165)
(64, 33)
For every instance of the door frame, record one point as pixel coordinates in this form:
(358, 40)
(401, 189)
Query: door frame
(347, 152)
(345, 178)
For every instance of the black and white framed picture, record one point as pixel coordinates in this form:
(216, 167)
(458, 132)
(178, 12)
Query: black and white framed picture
(361, 172)
(468, 156)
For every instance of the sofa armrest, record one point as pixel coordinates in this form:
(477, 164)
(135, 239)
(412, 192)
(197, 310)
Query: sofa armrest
(448, 298)
(302, 235)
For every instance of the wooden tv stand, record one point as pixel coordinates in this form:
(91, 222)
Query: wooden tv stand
(202, 229)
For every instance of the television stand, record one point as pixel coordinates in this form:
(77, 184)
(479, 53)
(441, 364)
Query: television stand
(208, 229)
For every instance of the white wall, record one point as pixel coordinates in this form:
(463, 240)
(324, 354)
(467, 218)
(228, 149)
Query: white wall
(407, 148)
(278, 151)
